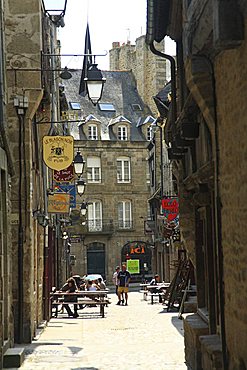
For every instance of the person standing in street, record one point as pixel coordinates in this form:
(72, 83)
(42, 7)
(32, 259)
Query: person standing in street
(115, 279)
(123, 287)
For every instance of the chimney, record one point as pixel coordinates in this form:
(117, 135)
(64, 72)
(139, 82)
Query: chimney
(115, 44)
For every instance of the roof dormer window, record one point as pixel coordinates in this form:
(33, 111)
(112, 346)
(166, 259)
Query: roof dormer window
(92, 132)
(122, 132)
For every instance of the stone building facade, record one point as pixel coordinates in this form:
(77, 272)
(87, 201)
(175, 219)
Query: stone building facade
(149, 70)
(25, 81)
(113, 139)
(208, 162)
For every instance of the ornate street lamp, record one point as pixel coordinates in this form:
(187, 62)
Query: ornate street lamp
(79, 163)
(94, 83)
(55, 13)
(83, 209)
(81, 184)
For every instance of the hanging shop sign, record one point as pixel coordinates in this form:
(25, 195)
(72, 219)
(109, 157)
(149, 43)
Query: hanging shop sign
(58, 151)
(133, 266)
(170, 210)
(70, 189)
(65, 175)
(58, 203)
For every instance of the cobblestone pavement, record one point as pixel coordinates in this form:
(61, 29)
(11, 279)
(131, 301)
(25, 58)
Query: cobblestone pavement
(137, 336)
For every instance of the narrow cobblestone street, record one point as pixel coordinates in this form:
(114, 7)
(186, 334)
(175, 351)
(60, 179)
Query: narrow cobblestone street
(137, 336)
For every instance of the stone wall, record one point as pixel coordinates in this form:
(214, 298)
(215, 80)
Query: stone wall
(231, 77)
(23, 45)
(149, 70)
(110, 192)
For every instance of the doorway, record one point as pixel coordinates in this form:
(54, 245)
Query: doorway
(96, 258)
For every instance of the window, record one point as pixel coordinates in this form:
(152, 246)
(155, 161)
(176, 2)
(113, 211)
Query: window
(122, 133)
(149, 133)
(109, 107)
(93, 169)
(75, 106)
(95, 216)
(123, 169)
(136, 107)
(92, 132)
(124, 215)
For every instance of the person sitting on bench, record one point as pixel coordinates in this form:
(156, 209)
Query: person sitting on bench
(155, 281)
(70, 287)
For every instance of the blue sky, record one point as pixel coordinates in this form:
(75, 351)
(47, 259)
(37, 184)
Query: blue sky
(109, 21)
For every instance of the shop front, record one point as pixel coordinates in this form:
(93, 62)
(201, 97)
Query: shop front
(138, 257)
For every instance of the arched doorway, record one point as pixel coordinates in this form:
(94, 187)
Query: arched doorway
(96, 258)
(139, 250)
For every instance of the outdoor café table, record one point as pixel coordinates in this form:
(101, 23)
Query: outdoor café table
(83, 297)
(144, 290)
(159, 289)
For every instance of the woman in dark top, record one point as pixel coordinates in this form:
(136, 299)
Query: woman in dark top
(70, 287)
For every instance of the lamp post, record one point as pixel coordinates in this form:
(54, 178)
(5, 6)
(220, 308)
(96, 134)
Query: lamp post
(81, 184)
(79, 163)
(55, 13)
(83, 209)
(94, 83)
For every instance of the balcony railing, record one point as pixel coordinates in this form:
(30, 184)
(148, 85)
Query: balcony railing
(125, 224)
(99, 226)
(107, 226)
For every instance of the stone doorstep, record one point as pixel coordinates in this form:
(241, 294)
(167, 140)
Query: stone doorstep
(190, 305)
(13, 357)
(194, 327)
(211, 349)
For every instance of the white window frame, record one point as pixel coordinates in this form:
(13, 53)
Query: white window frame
(149, 133)
(122, 132)
(93, 169)
(92, 132)
(125, 214)
(94, 212)
(123, 174)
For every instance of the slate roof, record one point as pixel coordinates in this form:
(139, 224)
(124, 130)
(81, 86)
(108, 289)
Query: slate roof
(119, 90)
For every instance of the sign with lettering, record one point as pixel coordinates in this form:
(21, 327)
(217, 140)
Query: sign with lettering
(65, 175)
(133, 266)
(137, 249)
(69, 189)
(58, 151)
(58, 203)
(170, 209)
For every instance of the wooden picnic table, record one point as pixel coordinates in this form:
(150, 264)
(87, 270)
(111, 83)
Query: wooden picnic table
(81, 297)
(159, 290)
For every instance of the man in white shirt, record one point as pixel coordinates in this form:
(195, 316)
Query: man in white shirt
(115, 279)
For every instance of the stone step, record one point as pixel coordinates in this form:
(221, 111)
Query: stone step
(190, 305)
(13, 357)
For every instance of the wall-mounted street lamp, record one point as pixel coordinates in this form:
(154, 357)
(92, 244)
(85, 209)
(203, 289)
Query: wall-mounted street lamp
(79, 163)
(83, 209)
(55, 13)
(94, 83)
(81, 184)
(41, 217)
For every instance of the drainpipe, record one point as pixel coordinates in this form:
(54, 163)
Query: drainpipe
(173, 81)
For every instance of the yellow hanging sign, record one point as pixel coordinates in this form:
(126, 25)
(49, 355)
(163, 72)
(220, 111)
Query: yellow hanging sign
(59, 203)
(58, 151)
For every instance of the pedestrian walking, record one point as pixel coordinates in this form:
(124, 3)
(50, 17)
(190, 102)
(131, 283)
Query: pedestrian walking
(115, 279)
(123, 287)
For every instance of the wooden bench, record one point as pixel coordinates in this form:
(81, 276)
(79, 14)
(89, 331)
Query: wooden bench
(145, 294)
(84, 298)
(153, 295)
(89, 302)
